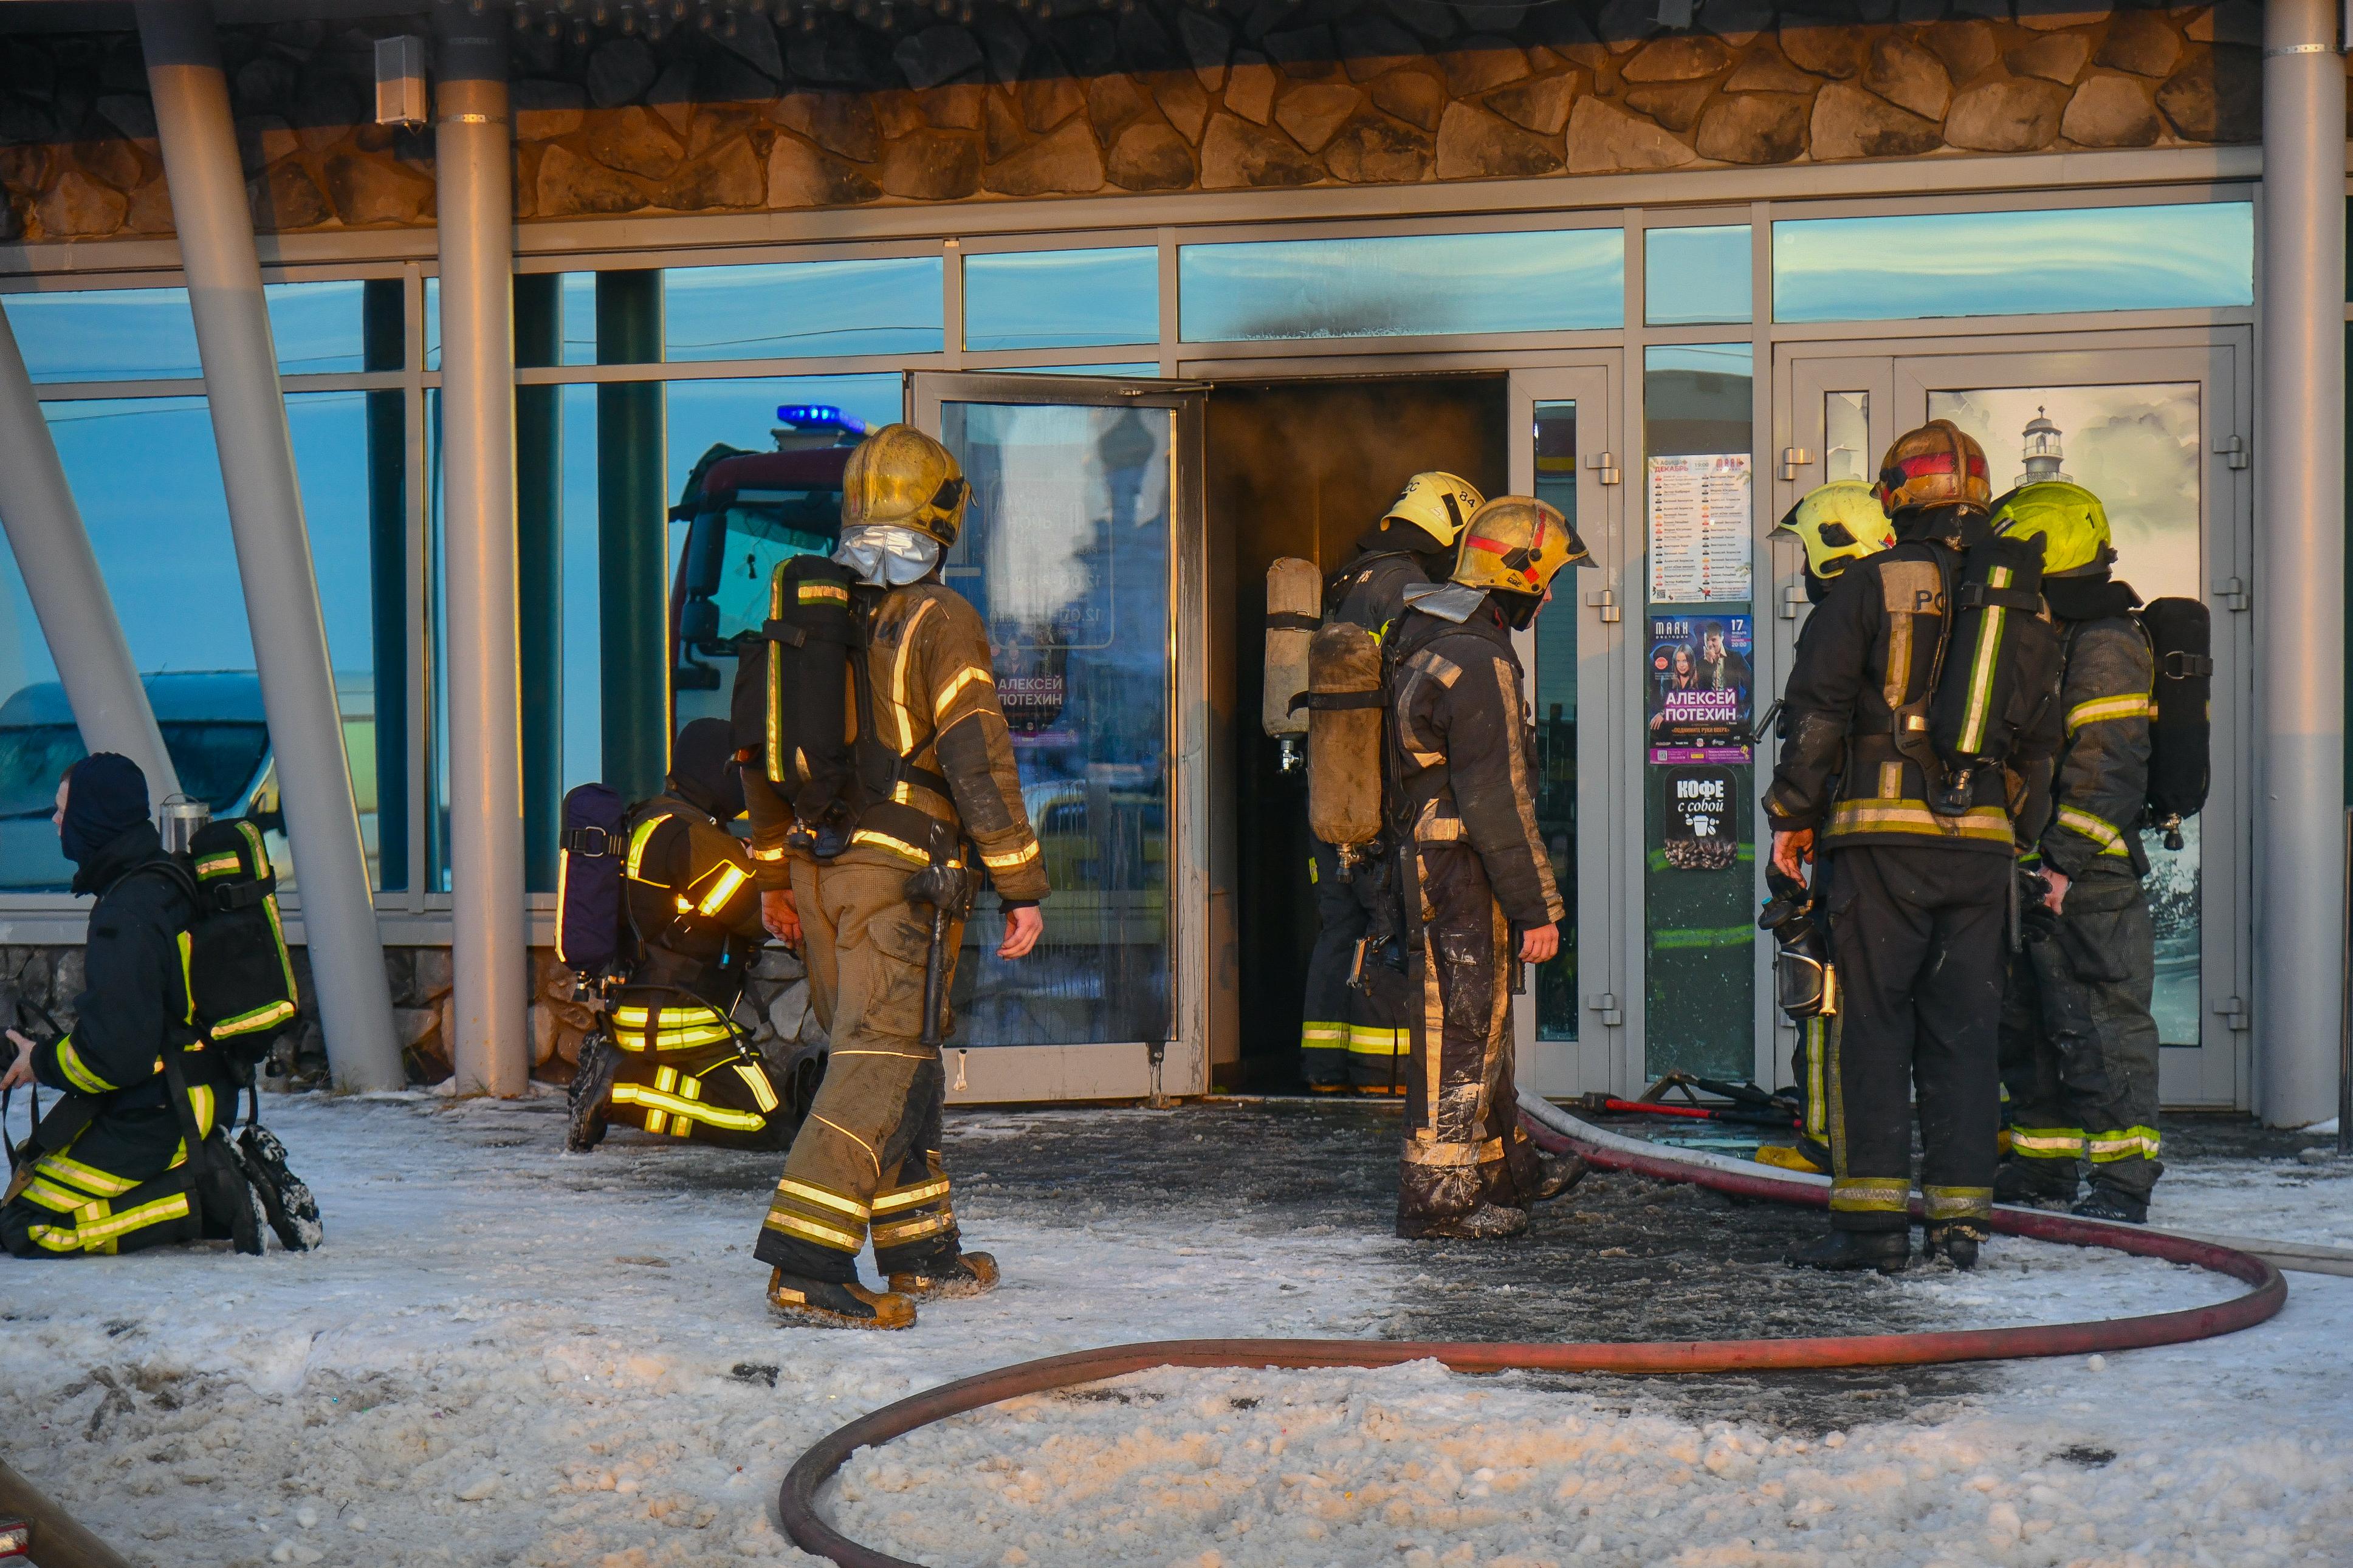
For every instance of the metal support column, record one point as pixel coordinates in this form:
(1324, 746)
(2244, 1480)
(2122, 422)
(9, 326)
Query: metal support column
(206, 180)
(2300, 567)
(473, 152)
(61, 577)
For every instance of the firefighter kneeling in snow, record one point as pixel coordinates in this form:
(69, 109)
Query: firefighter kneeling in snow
(936, 789)
(1480, 899)
(667, 1060)
(137, 1154)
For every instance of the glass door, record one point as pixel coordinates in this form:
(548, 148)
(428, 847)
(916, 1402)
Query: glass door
(1080, 549)
(1574, 1023)
(2159, 432)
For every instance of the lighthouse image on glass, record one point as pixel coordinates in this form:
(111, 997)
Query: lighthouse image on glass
(2042, 456)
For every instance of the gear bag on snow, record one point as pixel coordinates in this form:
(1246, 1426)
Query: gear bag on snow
(1998, 666)
(2180, 721)
(592, 921)
(805, 730)
(1345, 697)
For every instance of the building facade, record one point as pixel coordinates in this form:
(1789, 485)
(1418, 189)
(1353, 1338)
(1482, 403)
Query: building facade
(1189, 287)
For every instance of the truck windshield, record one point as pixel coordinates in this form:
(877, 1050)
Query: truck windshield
(765, 527)
(215, 760)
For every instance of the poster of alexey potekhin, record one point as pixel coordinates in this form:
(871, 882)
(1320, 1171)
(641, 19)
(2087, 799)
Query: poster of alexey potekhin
(1699, 680)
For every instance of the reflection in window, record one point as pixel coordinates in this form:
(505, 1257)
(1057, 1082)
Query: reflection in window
(803, 310)
(1846, 437)
(1063, 298)
(2014, 263)
(198, 668)
(2137, 448)
(1065, 554)
(1402, 285)
(1695, 274)
(148, 334)
(1129, 372)
(1556, 707)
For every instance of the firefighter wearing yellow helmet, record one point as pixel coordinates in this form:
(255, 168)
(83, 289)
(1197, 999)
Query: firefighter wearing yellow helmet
(1836, 524)
(940, 788)
(1918, 895)
(2079, 1049)
(1353, 1037)
(1478, 893)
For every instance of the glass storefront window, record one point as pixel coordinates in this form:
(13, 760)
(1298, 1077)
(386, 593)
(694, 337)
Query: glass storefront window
(1129, 369)
(1065, 554)
(2186, 256)
(1846, 437)
(1063, 298)
(1693, 275)
(198, 670)
(1556, 710)
(148, 334)
(1402, 285)
(2137, 448)
(1699, 774)
(803, 310)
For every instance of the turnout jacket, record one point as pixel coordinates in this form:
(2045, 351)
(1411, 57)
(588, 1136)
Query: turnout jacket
(692, 894)
(935, 708)
(1466, 754)
(1869, 651)
(2102, 783)
(137, 999)
(1369, 590)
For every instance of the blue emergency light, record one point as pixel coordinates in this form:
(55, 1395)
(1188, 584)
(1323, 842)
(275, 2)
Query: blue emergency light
(820, 417)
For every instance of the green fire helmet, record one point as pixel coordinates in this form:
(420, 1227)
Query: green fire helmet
(2067, 518)
(1837, 522)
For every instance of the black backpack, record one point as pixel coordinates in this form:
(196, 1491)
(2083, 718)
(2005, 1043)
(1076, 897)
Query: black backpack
(804, 674)
(592, 921)
(1997, 665)
(2180, 721)
(241, 976)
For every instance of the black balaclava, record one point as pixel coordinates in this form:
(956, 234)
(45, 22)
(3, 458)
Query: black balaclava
(106, 796)
(703, 769)
(1958, 525)
(1397, 533)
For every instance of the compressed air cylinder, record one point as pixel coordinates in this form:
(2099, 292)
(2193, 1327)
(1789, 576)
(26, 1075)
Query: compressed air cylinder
(1344, 735)
(1294, 605)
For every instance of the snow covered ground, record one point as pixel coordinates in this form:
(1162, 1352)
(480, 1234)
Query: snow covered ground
(508, 1355)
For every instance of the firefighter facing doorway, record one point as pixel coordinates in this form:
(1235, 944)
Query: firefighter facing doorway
(1311, 470)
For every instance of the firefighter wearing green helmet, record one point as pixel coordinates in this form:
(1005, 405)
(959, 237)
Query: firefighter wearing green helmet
(2079, 1049)
(880, 918)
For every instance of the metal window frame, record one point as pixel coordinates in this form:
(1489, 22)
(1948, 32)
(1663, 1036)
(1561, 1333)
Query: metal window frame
(1632, 203)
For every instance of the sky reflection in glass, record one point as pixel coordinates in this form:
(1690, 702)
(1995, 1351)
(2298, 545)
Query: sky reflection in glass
(1403, 285)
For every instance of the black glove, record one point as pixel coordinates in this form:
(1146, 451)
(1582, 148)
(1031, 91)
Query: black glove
(2037, 922)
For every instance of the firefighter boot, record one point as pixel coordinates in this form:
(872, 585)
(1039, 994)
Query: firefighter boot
(285, 1197)
(592, 1086)
(1846, 1251)
(2027, 1184)
(1487, 1222)
(2117, 1209)
(1556, 1174)
(823, 1304)
(1957, 1242)
(972, 1274)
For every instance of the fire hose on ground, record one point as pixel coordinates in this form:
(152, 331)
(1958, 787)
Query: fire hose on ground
(1555, 1129)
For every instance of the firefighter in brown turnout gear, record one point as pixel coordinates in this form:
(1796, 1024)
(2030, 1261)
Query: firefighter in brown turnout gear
(1356, 1035)
(1479, 899)
(940, 802)
(2079, 1049)
(667, 1060)
(1924, 851)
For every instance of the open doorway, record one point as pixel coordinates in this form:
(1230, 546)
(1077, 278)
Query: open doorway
(1302, 468)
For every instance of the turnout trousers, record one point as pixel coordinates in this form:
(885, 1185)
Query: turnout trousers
(1917, 938)
(122, 1184)
(2079, 1049)
(1350, 1036)
(1463, 1145)
(869, 1153)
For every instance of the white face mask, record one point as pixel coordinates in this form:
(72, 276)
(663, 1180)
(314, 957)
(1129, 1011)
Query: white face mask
(887, 555)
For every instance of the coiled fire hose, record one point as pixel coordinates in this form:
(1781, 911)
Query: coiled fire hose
(1555, 1129)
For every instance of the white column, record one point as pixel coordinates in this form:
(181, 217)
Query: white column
(473, 153)
(209, 210)
(2299, 598)
(61, 578)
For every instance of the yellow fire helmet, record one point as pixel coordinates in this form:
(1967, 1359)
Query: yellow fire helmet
(1518, 543)
(1837, 522)
(2067, 518)
(1437, 503)
(1937, 464)
(900, 475)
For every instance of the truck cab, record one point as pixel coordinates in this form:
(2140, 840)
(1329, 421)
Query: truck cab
(744, 513)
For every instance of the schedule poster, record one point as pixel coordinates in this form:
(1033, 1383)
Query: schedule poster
(1699, 679)
(1699, 529)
